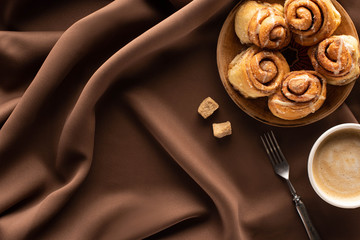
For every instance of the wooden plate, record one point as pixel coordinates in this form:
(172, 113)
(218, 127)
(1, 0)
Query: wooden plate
(229, 46)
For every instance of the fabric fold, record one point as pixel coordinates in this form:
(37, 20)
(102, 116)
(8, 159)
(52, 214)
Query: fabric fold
(76, 149)
(100, 138)
(178, 142)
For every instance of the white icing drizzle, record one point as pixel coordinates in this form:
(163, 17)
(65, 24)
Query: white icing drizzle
(272, 17)
(350, 49)
(258, 17)
(301, 37)
(322, 97)
(264, 75)
(273, 21)
(312, 107)
(337, 71)
(304, 77)
(306, 95)
(264, 78)
(282, 103)
(309, 96)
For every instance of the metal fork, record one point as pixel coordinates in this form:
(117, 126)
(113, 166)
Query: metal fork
(281, 168)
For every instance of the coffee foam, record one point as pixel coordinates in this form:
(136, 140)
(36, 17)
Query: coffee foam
(336, 165)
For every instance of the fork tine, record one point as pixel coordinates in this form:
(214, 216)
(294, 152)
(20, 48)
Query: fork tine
(273, 148)
(277, 148)
(268, 149)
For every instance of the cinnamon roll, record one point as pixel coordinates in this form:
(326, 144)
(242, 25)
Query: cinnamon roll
(302, 92)
(262, 24)
(256, 72)
(311, 21)
(337, 58)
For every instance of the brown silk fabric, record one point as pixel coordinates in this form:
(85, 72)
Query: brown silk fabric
(100, 136)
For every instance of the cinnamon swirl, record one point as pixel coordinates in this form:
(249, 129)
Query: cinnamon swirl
(262, 24)
(337, 58)
(302, 92)
(257, 73)
(311, 21)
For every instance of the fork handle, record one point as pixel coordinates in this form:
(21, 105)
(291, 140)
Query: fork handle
(310, 229)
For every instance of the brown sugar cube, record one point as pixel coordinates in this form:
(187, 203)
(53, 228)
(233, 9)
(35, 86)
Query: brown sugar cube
(207, 107)
(221, 130)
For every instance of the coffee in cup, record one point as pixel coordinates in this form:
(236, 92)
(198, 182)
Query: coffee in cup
(334, 166)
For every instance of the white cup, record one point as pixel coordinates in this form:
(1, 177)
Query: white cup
(342, 202)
